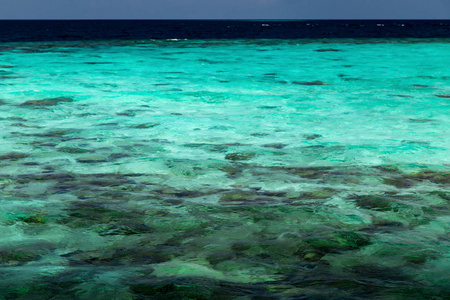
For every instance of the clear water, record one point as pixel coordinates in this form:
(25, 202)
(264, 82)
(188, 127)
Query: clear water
(225, 169)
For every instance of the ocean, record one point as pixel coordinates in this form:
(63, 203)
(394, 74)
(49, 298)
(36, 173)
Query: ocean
(259, 159)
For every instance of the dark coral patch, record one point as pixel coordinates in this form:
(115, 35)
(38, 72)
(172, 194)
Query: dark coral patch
(316, 82)
(327, 50)
(235, 156)
(46, 102)
(13, 156)
(275, 145)
(146, 125)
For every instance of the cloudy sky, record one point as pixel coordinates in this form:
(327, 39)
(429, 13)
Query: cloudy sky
(224, 9)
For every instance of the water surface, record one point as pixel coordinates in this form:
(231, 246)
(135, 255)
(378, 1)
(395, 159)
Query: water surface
(225, 169)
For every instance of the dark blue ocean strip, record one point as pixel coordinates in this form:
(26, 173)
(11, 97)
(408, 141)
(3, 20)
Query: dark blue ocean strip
(76, 30)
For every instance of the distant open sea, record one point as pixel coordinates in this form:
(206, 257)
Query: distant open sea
(74, 30)
(246, 160)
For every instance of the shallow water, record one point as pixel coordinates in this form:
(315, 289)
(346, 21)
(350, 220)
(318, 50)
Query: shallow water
(243, 169)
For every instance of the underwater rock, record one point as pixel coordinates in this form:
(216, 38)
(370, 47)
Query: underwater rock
(92, 159)
(108, 124)
(108, 194)
(16, 119)
(60, 176)
(115, 156)
(375, 202)
(351, 79)
(398, 182)
(15, 257)
(257, 134)
(420, 256)
(209, 61)
(46, 102)
(312, 136)
(327, 50)
(231, 170)
(23, 125)
(436, 177)
(219, 256)
(128, 113)
(268, 107)
(403, 96)
(416, 259)
(443, 96)
(2, 102)
(13, 156)
(23, 253)
(274, 145)
(236, 197)
(383, 274)
(235, 144)
(125, 229)
(111, 182)
(101, 218)
(174, 202)
(388, 168)
(420, 85)
(319, 194)
(241, 246)
(379, 202)
(312, 256)
(385, 224)
(218, 148)
(97, 63)
(343, 240)
(154, 254)
(177, 290)
(34, 219)
(236, 156)
(271, 193)
(73, 150)
(245, 198)
(309, 172)
(183, 193)
(58, 133)
(442, 194)
(100, 257)
(9, 77)
(316, 82)
(420, 120)
(146, 125)
(195, 145)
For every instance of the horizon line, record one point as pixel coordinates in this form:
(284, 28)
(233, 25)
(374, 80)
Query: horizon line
(237, 19)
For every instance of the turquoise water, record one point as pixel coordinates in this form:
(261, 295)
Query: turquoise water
(245, 169)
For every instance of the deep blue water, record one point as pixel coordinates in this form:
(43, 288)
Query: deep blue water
(71, 30)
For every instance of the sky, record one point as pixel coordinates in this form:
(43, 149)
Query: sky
(225, 9)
